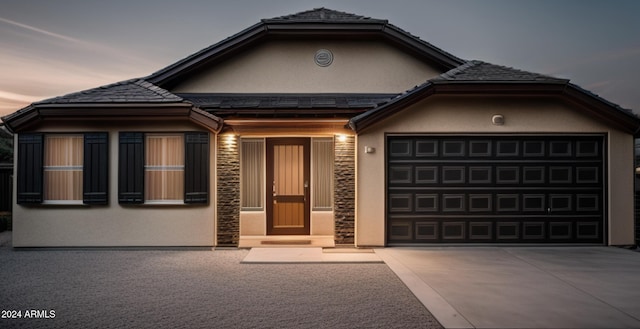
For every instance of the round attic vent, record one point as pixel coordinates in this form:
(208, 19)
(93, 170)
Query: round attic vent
(323, 57)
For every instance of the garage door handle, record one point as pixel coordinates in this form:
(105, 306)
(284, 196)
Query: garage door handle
(548, 211)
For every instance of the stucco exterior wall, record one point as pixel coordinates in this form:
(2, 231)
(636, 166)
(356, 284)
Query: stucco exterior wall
(288, 66)
(464, 115)
(114, 224)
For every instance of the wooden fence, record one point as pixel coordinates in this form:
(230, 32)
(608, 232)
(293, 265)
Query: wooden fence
(6, 183)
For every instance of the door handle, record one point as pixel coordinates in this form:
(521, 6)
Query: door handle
(306, 187)
(274, 192)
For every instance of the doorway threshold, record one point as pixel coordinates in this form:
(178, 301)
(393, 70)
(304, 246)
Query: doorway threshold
(286, 241)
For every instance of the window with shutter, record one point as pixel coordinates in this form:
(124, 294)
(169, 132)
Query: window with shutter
(163, 168)
(63, 168)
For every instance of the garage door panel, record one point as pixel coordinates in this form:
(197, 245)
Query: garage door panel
(503, 230)
(516, 189)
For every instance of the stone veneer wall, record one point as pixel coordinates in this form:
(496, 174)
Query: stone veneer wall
(228, 203)
(345, 191)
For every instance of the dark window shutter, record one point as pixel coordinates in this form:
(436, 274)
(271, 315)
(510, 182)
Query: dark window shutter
(131, 168)
(96, 168)
(30, 168)
(196, 167)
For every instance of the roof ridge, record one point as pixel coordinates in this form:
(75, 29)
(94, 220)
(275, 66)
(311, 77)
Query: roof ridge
(321, 14)
(477, 70)
(517, 69)
(458, 69)
(154, 88)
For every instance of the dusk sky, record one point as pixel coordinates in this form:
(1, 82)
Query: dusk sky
(50, 48)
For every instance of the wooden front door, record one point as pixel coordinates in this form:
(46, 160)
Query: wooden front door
(288, 186)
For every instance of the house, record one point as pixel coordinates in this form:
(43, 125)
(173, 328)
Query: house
(324, 123)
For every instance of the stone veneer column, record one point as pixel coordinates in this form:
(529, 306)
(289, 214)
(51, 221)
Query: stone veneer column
(228, 191)
(344, 190)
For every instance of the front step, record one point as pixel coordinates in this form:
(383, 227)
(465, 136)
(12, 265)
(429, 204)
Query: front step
(307, 255)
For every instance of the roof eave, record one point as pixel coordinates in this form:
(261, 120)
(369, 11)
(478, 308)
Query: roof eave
(499, 86)
(203, 56)
(364, 120)
(417, 45)
(37, 113)
(604, 110)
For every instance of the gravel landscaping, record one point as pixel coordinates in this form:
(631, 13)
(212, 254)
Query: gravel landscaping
(198, 289)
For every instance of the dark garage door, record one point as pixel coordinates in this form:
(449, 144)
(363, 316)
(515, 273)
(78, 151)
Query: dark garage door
(495, 189)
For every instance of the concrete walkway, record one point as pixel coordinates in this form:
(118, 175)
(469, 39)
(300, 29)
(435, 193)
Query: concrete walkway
(520, 287)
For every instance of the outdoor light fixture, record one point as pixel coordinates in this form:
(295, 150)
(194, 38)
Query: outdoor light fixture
(369, 149)
(230, 139)
(497, 119)
(342, 138)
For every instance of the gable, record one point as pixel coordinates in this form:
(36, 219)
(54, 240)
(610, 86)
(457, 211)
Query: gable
(288, 66)
(316, 24)
(477, 78)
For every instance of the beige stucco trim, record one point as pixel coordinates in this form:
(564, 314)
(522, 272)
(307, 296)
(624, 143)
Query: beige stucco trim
(468, 115)
(114, 224)
(621, 188)
(254, 223)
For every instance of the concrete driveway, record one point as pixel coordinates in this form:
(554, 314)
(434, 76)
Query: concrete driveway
(523, 287)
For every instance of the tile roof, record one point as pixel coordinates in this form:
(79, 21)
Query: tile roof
(286, 101)
(324, 15)
(129, 91)
(482, 71)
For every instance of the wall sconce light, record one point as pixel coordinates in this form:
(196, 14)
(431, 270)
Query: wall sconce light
(497, 119)
(342, 138)
(369, 149)
(230, 139)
